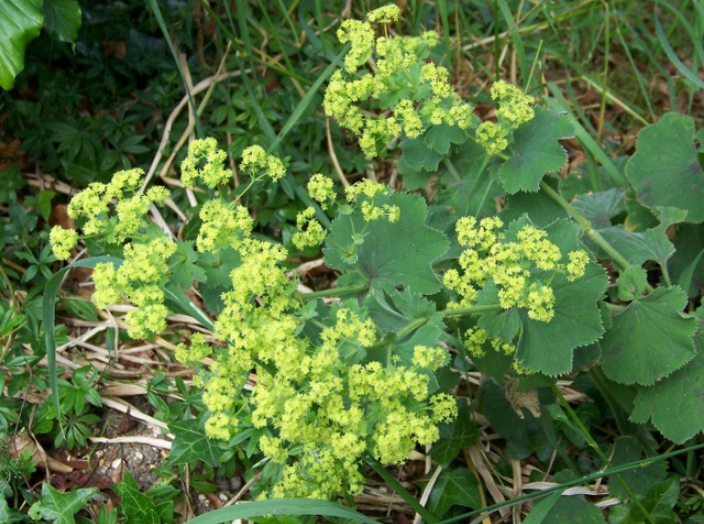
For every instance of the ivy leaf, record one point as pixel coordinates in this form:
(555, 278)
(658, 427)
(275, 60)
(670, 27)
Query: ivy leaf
(454, 437)
(547, 347)
(137, 507)
(60, 508)
(536, 151)
(665, 170)
(650, 339)
(392, 254)
(676, 405)
(20, 23)
(191, 444)
(458, 487)
(63, 19)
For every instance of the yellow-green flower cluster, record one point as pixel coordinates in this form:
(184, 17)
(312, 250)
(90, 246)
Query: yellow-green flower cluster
(336, 410)
(205, 161)
(93, 206)
(511, 266)
(223, 224)
(369, 190)
(321, 189)
(140, 279)
(476, 339)
(515, 106)
(198, 350)
(387, 14)
(515, 109)
(418, 94)
(310, 232)
(62, 241)
(256, 163)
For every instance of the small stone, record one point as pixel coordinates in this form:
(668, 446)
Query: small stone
(235, 483)
(116, 463)
(138, 455)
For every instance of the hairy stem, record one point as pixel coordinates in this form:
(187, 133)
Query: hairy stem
(586, 226)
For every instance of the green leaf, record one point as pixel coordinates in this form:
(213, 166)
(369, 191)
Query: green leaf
(665, 170)
(650, 339)
(137, 507)
(542, 508)
(392, 254)
(63, 19)
(184, 265)
(260, 508)
(191, 444)
(536, 151)
(658, 503)
(470, 189)
(524, 434)
(676, 405)
(539, 207)
(454, 437)
(631, 283)
(419, 155)
(641, 480)
(600, 208)
(20, 23)
(60, 508)
(458, 487)
(547, 347)
(686, 265)
(439, 138)
(573, 509)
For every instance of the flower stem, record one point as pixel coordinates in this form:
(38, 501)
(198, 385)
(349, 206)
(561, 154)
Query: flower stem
(586, 226)
(334, 291)
(428, 517)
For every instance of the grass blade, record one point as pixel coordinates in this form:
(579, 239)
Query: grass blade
(186, 306)
(51, 291)
(260, 508)
(585, 138)
(307, 99)
(674, 58)
(160, 20)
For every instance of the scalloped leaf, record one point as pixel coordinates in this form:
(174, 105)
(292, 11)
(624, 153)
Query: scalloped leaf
(20, 23)
(391, 254)
(665, 170)
(650, 339)
(547, 347)
(676, 405)
(536, 150)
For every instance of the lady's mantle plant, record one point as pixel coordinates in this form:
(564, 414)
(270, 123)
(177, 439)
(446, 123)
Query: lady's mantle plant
(365, 375)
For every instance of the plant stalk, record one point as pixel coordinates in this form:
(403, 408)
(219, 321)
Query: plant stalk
(586, 226)
(428, 517)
